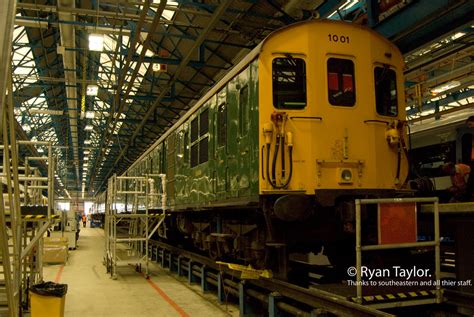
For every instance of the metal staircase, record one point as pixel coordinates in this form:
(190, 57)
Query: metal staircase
(129, 222)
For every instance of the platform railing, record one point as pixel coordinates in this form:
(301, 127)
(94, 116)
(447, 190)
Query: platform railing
(434, 243)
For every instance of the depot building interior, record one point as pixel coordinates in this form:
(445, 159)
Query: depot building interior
(236, 158)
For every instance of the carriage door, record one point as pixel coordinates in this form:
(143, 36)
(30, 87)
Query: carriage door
(243, 139)
(170, 166)
(221, 144)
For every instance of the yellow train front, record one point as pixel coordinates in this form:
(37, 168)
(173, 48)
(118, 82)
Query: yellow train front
(331, 118)
(333, 94)
(271, 159)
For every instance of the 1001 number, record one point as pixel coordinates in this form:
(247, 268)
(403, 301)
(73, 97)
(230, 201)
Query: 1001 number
(338, 38)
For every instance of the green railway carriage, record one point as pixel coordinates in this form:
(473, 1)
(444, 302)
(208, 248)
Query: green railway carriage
(274, 154)
(211, 155)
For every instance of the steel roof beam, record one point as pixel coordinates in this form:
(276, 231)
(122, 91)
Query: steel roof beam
(68, 39)
(220, 10)
(120, 100)
(421, 21)
(434, 105)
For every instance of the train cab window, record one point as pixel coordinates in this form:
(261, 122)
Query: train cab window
(341, 83)
(386, 91)
(289, 83)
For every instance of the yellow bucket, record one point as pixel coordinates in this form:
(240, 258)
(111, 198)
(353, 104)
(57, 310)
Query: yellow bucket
(47, 306)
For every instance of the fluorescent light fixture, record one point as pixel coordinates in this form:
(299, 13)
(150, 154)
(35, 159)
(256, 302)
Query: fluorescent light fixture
(46, 111)
(92, 91)
(96, 42)
(446, 86)
(87, 151)
(458, 35)
(86, 158)
(87, 142)
(90, 114)
(88, 127)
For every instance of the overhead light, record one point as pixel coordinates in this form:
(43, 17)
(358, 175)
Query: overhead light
(162, 68)
(96, 42)
(87, 142)
(91, 91)
(90, 114)
(447, 86)
(458, 35)
(40, 150)
(87, 151)
(86, 158)
(88, 127)
(26, 127)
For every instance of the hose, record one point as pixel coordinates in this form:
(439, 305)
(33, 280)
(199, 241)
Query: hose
(275, 156)
(283, 157)
(399, 160)
(272, 180)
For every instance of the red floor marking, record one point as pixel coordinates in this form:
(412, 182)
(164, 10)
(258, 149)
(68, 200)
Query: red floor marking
(58, 275)
(167, 298)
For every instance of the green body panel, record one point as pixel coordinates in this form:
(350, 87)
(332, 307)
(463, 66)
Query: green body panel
(230, 176)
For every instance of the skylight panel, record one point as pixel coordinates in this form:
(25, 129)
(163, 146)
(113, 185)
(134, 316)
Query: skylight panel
(167, 14)
(24, 67)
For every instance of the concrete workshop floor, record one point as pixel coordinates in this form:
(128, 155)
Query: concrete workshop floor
(91, 291)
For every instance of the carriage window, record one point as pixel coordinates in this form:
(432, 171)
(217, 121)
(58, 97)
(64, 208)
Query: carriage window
(200, 139)
(204, 122)
(204, 150)
(386, 91)
(194, 129)
(186, 147)
(222, 125)
(194, 154)
(243, 110)
(289, 83)
(341, 86)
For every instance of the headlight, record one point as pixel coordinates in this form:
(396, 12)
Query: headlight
(345, 176)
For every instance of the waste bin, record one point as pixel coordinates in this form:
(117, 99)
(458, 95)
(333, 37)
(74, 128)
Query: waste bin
(47, 299)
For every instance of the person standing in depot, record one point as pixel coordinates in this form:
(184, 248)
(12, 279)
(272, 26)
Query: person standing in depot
(84, 220)
(462, 183)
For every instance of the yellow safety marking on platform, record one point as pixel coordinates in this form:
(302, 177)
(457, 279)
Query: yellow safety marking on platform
(412, 294)
(390, 296)
(424, 293)
(379, 297)
(369, 298)
(354, 299)
(248, 272)
(401, 295)
(29, 217)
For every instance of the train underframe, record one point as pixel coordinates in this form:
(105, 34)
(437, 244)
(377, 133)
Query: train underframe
(266, 234)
